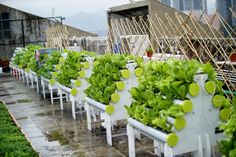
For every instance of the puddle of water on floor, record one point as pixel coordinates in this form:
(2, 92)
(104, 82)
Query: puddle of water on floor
(10, 103)
(23, 100)
(22, 118)
(57, 135)
(40, 114)
(10, 88)
(4, 94)
(80, 154)
(17, 93)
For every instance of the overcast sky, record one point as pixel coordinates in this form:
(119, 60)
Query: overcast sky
(62, 7)
(68, 7)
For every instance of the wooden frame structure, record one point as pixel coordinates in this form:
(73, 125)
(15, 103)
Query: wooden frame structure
(57, 36)
(175, 33)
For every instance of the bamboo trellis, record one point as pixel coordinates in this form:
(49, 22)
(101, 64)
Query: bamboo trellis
(184, 35)
(57, 36)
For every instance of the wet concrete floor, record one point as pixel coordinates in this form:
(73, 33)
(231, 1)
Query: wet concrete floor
(55, 133)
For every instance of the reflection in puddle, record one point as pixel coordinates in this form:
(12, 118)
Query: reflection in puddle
(23, 100)
(57, 135)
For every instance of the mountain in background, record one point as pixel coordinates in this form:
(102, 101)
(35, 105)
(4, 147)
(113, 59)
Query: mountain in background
(91, 22)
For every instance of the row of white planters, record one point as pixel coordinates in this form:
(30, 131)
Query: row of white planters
(198, 136)
(25, 75)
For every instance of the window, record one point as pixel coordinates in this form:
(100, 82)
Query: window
(167, 2)
(233, 6)
(197, 4)
(181, 5)
(187, 5)
(5, 32)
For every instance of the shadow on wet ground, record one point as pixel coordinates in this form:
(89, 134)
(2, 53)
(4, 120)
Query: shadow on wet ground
(55, 133)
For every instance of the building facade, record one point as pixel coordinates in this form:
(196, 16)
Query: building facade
(19, 28)
(187, 5)
(223, 7)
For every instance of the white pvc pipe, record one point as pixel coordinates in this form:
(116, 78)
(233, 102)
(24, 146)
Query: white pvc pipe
(45, 79)
(148, 130)
(72, 81)
(171, 120)
(95, 103)
(64, 88)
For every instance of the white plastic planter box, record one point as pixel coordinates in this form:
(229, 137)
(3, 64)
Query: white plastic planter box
(79, 85)
(117, 107)
(198, 136)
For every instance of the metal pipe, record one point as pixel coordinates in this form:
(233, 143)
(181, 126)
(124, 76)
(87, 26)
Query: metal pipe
(23, 33)
(38, 18)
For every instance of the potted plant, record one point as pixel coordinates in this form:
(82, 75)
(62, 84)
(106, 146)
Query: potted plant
(149, 52)
(232, 57)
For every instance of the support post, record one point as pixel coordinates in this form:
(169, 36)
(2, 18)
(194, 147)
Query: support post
(108, 128)
(23, 33)
(131, 139)
(89, 121)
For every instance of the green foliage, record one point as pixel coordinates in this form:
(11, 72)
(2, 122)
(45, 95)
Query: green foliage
(105, 75)
(70, 68)
(17, 58)
(162, 82)
(25, 58)
(228, 146)
(48, 66)
(12, 142)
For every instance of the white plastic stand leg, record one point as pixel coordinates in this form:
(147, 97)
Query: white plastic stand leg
(73, 108)
(19, 75)
(44, 94)
(27, 80)
(114, 123)
(157, 148)
(32, 83)
(103, 117)
(67, 97)
(131, 140)
(207, 151)
(167, 151)
(137, 134)
(108, 129)
(93, 110)
(37, 84)
(89, 121)
(61, 100)
(51, 95)
(199, 152)
(23, 77)
(16, 73)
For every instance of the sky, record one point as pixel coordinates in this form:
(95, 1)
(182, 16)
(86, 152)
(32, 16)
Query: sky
(62, 7)
(69, 7)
